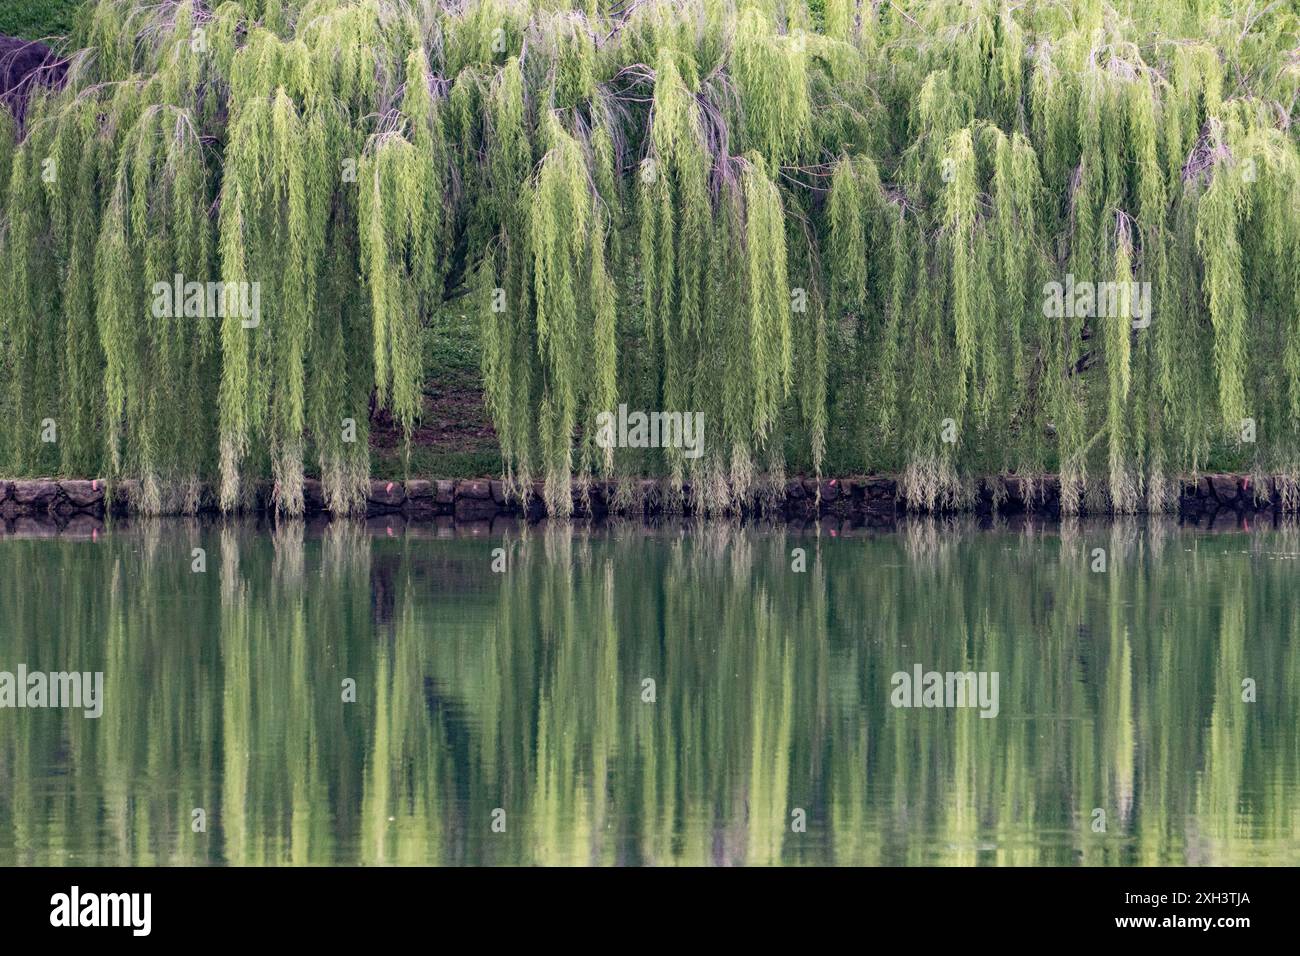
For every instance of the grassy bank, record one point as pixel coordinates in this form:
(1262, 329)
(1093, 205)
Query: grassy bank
(37, 19)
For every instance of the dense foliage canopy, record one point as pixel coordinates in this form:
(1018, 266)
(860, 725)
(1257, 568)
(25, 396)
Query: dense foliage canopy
(831, 228)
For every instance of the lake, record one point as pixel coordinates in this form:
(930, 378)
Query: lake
(680, 693)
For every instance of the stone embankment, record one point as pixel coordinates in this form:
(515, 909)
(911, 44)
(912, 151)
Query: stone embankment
(869, 500)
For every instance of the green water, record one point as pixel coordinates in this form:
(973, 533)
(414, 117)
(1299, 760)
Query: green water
(523, 692)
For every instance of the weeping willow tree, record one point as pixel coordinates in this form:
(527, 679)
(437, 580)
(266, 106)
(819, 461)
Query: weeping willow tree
(949, 239)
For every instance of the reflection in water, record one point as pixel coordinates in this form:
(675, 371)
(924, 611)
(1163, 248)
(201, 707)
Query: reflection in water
(525, 692)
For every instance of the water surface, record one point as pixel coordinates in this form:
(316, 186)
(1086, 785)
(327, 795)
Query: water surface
(518, 697)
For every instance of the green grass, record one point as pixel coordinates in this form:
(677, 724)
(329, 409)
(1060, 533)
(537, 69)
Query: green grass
(435, 463)
(35, 19)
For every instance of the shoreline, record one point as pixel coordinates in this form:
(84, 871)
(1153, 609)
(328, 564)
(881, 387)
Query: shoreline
(871, 500)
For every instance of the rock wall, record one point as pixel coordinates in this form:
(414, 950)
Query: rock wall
(869, 500)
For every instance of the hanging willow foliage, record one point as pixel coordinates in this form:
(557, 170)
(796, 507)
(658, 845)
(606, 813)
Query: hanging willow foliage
(947, 239)
(402, 198)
